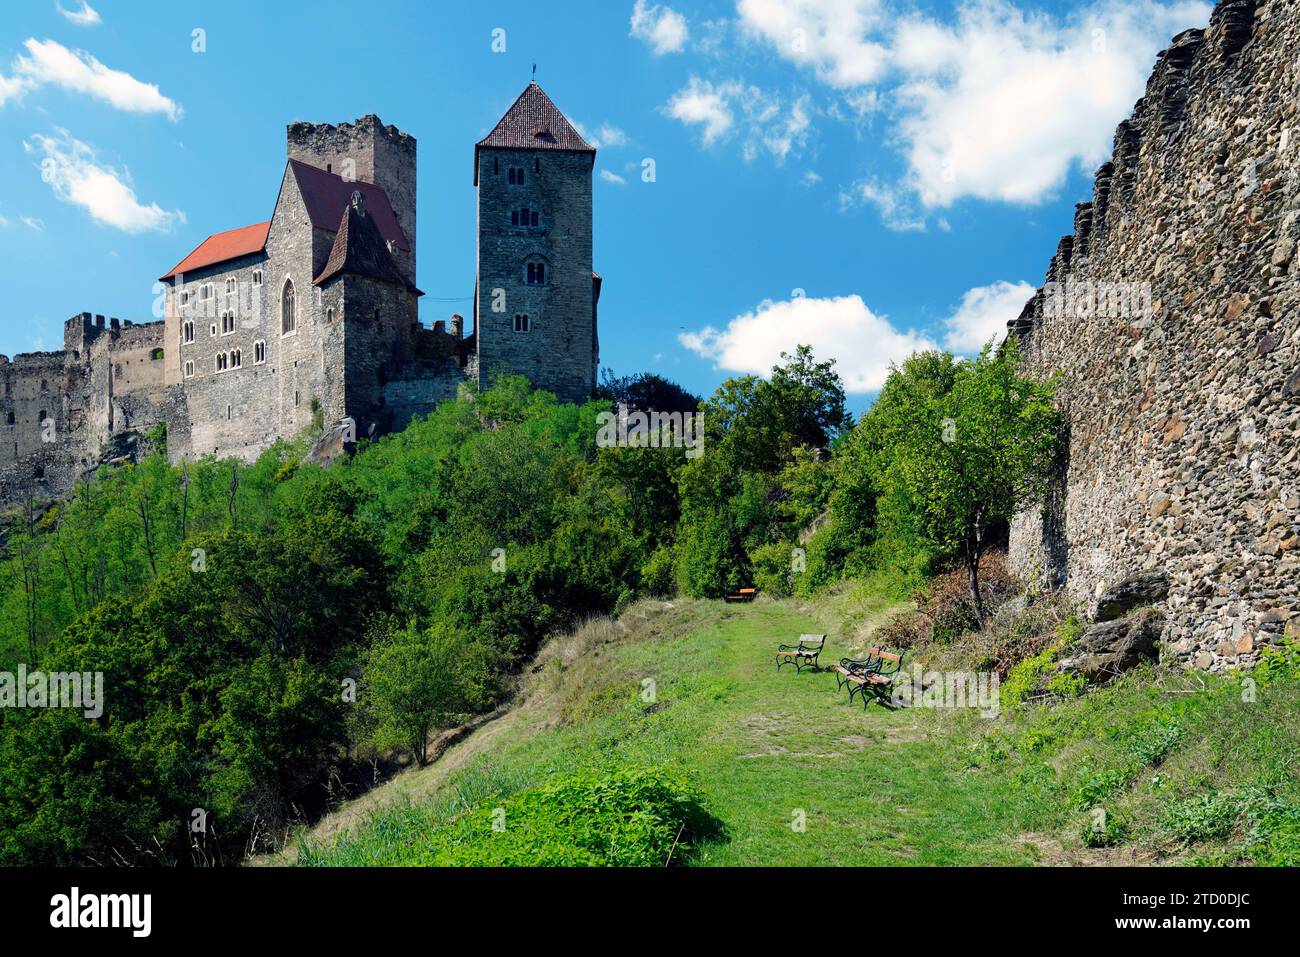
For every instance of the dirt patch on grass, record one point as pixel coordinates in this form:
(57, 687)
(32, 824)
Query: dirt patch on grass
(1050, 852)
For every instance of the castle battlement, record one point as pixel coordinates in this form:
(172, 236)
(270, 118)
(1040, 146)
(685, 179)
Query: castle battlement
(314, 314)
(1183, 414)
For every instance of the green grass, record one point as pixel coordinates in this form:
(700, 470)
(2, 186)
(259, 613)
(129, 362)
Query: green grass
(1181, 772)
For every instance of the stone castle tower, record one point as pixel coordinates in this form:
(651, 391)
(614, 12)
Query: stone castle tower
(535, 309)
(369, 152)
(311, 318)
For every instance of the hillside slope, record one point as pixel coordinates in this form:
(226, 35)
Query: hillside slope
(1184, 770)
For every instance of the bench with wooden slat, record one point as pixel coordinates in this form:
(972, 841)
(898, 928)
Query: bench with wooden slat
(803, 653)
(875, 674)
(744, 594)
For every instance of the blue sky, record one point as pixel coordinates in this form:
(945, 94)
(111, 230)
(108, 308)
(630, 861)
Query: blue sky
(868, 176)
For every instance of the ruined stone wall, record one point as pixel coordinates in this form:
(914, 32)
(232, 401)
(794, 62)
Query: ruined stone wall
(1172, 315)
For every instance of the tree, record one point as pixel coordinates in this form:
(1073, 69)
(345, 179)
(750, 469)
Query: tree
(414, 686)
(760, 422)
(645, 392)
(971, 456)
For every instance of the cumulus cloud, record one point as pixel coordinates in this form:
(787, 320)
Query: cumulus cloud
(765, 120)
(983, 315)
(863, 343)
(50, 63)
(85, 16)
(662, 28)
(701, 104)
(837, 39)
(1002, 104)
(75, 174)
(994, 102)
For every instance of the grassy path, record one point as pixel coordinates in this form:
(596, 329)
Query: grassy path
(1190, 766)
(766, 749)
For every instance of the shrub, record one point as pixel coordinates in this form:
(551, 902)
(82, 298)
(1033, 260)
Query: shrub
(657, 577)
(1203, 817)
(772, 568)
(1104, 830)
(625, 816)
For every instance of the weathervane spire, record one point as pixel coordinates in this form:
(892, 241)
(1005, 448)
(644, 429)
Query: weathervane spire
(534, 72)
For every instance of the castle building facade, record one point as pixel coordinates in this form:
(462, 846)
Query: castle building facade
(312, 317)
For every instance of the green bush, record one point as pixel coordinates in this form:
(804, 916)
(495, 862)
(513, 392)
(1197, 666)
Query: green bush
(626, 816)
(1203, 817)
(772, 568)
(657, 576)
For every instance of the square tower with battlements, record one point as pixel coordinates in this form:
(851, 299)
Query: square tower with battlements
(370, 152)
(536, 296)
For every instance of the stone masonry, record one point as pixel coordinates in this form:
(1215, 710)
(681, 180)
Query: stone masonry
(1172, 317)
(311, 319)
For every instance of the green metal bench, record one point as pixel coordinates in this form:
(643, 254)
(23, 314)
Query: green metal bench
(872, 675)
(803, 653)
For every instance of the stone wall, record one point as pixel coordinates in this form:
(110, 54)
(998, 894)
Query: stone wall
(1172, 315)
(59, 410)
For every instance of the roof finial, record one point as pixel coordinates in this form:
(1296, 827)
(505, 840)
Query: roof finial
(534, 72)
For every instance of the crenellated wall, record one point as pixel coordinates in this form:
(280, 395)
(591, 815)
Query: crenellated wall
(1172, 317)
(58, 410)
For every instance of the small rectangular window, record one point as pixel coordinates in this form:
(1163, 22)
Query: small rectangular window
(521, 323)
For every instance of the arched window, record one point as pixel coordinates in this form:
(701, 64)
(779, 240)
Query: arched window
(521, 323)
(536, 275)
(288, 310)
(187, 331)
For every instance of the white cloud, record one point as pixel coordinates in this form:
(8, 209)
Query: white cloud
(610, 177)
(834, 38)
(1003, 104)
(862, 343)
(611, 136)
(4, 221)
(663, 28)
(87, 16)
(700, 103)
(896, 206)
(31, 222)
(983, 315)
(50, 63)
(765, 120)
(993, 102)
(608, 136)
(76, 176)
(12, 87)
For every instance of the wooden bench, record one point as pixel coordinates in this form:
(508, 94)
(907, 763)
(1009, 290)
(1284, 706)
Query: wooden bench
(745, 594)
(873, 674)
(803, 653)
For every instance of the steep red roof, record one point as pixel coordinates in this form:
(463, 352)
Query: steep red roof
(533, 123)
(359, 249)
(327, 196)
(220, 247)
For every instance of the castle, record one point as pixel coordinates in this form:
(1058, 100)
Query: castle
(1172, 316)
(312, 316)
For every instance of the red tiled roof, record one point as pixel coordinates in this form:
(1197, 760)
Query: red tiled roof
(533, 123)
(220, 247)
(359, 249)
(327, 196)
